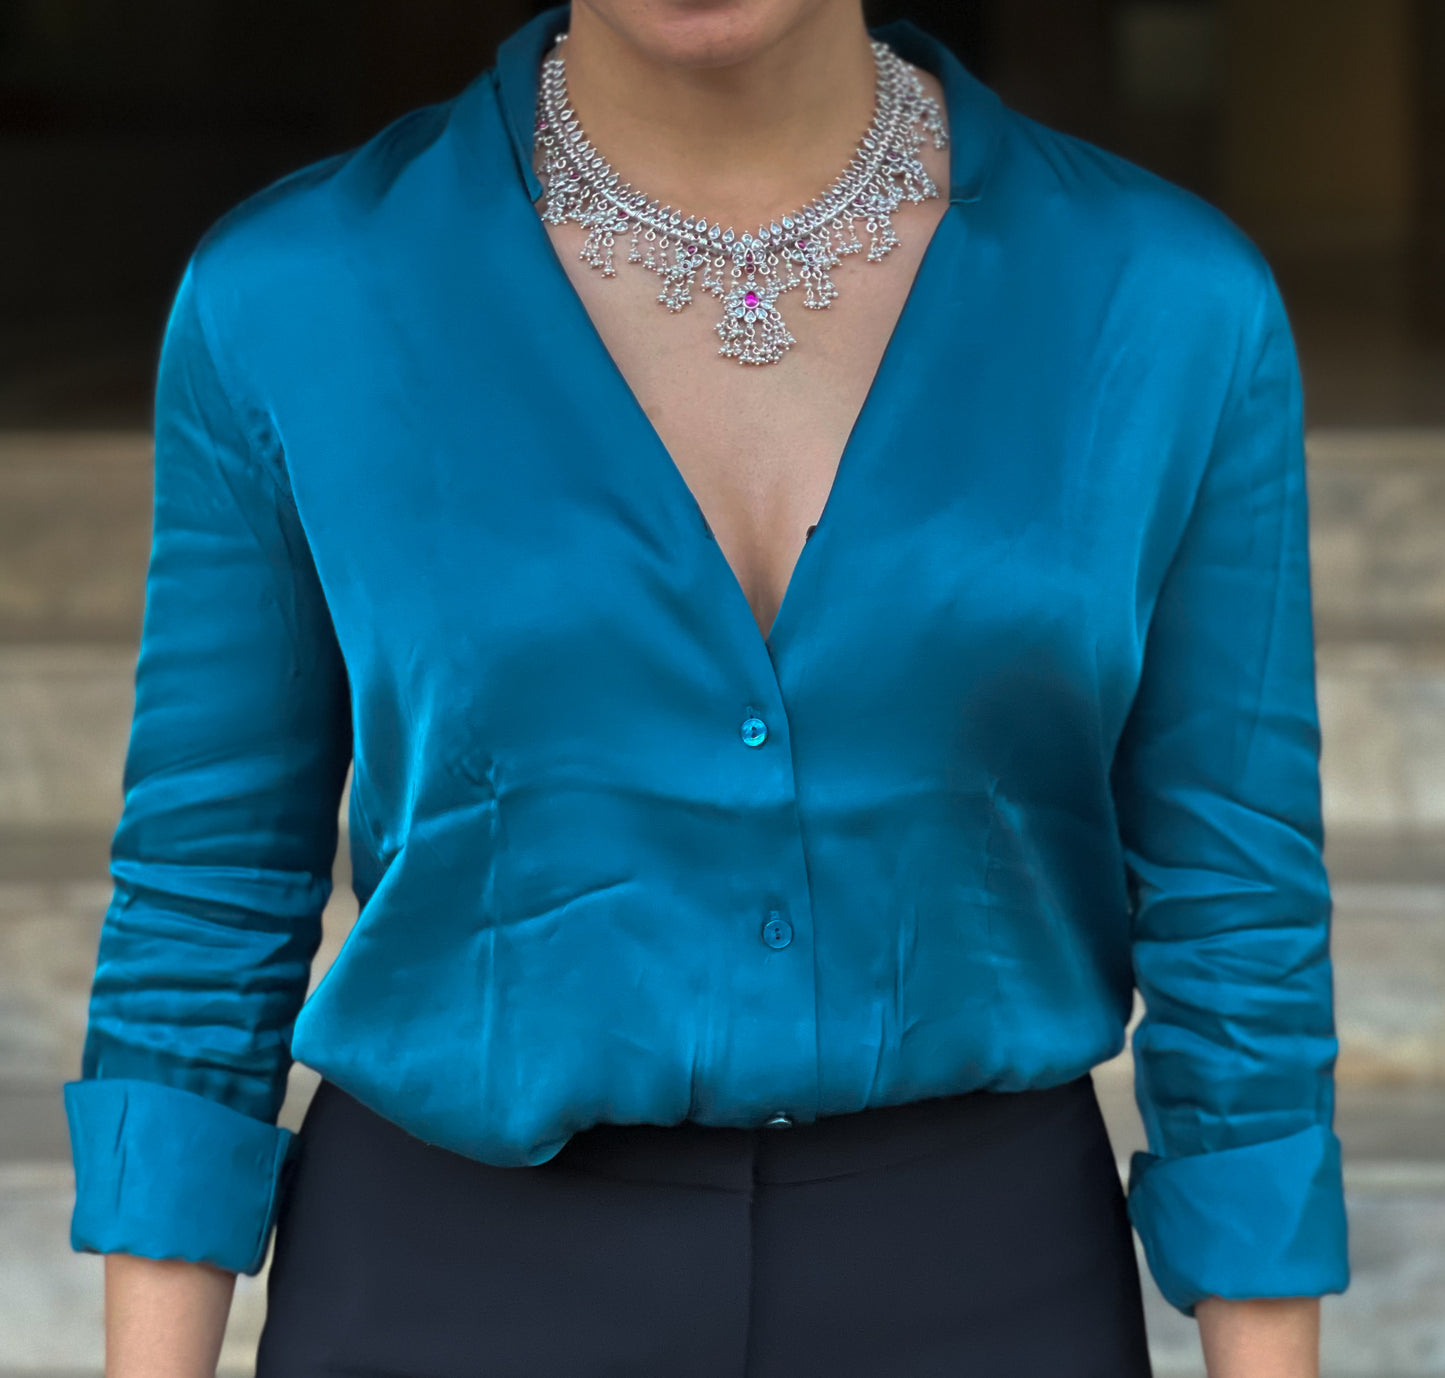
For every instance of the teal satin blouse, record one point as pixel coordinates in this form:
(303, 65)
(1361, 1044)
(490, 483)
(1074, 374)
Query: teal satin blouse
(1036, 721)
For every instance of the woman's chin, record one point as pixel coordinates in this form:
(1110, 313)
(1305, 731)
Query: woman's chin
(702, 33)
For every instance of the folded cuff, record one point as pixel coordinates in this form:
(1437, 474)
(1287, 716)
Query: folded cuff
(1260, 1220)
(164, 1172)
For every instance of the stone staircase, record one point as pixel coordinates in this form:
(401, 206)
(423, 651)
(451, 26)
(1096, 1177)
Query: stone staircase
(74, 536)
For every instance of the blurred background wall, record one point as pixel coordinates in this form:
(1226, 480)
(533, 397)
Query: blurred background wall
(128, 126)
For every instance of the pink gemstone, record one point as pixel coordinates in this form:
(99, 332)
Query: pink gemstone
(751, 300)
(692, 248)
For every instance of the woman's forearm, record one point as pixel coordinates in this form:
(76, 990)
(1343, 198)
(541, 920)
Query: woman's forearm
(1268, 1337)
(164, 1318)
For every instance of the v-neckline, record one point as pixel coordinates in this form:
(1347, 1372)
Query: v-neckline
(661, 461)
(661, 458)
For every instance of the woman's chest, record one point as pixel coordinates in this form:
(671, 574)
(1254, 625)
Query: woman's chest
(509, 520)
(759, 447)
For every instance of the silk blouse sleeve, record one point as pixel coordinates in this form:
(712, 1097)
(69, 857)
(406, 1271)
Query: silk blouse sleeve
(221, 862)
(1217, 788)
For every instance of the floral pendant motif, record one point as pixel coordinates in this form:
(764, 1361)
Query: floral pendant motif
(752, 329)
(748, 272)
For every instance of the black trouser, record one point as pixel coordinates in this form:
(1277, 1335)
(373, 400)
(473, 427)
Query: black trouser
(981, 1235)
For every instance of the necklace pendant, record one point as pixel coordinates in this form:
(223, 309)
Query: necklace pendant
(752, 329)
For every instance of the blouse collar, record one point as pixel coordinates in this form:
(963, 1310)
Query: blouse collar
(974, 109)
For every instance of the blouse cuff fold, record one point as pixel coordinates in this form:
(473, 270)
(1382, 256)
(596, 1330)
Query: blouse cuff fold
(1259, 1220)
(163, 1172)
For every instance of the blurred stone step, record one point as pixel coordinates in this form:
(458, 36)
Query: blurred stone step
(75, 526)
(1377, 533)
(75, 513)
(1382, 726)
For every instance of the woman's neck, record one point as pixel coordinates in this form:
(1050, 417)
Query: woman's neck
(724, 125)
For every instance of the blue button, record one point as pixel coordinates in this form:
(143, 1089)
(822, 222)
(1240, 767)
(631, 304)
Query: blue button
(777, 932)
(779, 1121)
(755, 731)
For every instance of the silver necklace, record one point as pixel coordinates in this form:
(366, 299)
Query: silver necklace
(749, 272)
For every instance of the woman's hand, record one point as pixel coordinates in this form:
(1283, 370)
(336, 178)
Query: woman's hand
(1266, 1337)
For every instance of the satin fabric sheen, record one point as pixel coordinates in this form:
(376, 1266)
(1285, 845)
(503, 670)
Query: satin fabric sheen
(1039, 707)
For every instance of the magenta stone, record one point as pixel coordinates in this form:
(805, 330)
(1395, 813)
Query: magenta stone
(751, 299)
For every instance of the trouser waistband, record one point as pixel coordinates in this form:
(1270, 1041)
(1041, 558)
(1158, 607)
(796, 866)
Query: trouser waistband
(830, 1146)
